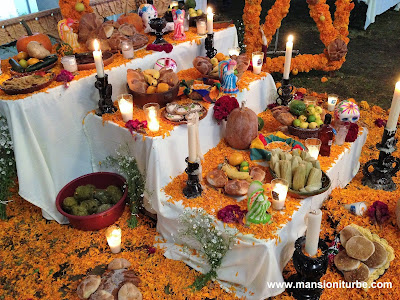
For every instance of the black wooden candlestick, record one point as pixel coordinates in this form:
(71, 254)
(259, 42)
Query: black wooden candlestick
(193, 187)
(385, 167)
(285, 93)
(209, 43)
(106, 105)
(309, 271)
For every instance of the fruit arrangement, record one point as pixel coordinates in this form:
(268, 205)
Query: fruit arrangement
(308, 116)
(234, 175)
(152, 81)
(89, 200)
(299, 169)
(36, 58)
(195, 13)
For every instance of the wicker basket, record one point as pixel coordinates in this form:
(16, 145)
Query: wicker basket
(303, 133)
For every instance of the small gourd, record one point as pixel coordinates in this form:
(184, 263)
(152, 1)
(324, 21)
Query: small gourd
(241, 127)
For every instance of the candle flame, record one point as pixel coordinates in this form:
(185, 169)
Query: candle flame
(209, 11)
(153, 125)
(290, 38)
(398, 85)
(96, 45)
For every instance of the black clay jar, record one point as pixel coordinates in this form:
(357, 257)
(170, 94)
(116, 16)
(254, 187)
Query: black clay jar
(158, 24)
(309, 271)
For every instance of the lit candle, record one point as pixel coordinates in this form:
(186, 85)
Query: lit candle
(113, 235)
(153, 125)
(288, 57)
(192, 139)
(127, 49)
(313, 145)
(98, 59)
(210, 17)
(257, 61)
(174, 4)
(279, 192)
(201, 27)
(332, 101)
(394, 109)
(234, 51)
(69, 63)
(314, 219)
(125, 104)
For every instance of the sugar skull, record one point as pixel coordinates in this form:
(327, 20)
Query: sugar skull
(147, 12)
(347, 111)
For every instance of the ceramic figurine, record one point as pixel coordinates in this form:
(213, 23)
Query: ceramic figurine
(66, 32)
(228, 77)
(179, 18)
(148, 12)
(347, 111)
(257, 204)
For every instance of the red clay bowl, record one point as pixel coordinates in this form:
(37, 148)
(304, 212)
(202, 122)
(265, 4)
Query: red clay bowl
(100, 180)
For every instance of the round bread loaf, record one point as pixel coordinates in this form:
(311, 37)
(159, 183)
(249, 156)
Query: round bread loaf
(344, 262)
(359, 274)
(347, 233)
(359, 247)
(378, 258)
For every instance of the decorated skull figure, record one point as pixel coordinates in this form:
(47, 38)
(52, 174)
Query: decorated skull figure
(148, 12)
(347, 111)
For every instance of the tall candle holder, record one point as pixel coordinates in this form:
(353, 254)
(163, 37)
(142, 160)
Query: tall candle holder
(106, 105)
(383, 170)
(285, 93)
(309, 271)
(209, 43)
(193, 187)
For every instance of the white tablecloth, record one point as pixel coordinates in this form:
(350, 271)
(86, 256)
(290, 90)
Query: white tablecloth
(377, 7)
(46, 128)
(164, 158)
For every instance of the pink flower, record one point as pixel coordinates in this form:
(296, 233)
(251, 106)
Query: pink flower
(136, 125)
(231, 214)
(65, 76)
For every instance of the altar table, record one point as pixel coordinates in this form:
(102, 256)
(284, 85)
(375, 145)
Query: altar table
(46, 128)
(377, 7)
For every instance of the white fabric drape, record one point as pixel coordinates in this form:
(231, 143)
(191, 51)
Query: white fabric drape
(377, 7)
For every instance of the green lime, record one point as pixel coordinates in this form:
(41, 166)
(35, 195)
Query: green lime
(311, 119)
(296, 123)
(23, 63)
(260, 123)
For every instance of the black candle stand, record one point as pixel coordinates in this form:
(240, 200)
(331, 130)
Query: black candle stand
(383, 170)
(193, 187)
(106, 105)
(309, 271)
(209, 43)
(285, 93)
(158, 24)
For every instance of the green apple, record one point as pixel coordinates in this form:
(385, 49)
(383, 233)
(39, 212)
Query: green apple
(296, 123)
(318, 110)
(79, 7)
(312, 125)
(317, 116)
(303, 118)
(310, 110)
(199, 12)
(319, 122)
(23, 63)
(304, 125)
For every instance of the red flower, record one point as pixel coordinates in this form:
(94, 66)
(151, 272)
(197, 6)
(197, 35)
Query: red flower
(151, 250)
(378, 212)
(352, 133)
(136, 125)
(164, 47)
(223, 107)
(231, 214)
(380, 123)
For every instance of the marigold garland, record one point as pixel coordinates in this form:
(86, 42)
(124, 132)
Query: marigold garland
(68, 10)
(329, 31)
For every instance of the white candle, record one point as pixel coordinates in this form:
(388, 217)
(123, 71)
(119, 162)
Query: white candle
(98, 59)
(127, 49)
(192, 141)
(257, 61)
(210, 17)
(153, 124)
(332, 101)
(313, 151)
(234, 51)
(288, 57)
(125, 104)
(113, 235)
(280, 189)
(69, 63)
(313, 145)
(394, 109)
(201, 27)
(313, 229)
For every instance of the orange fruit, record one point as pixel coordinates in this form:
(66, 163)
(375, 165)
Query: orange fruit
(235, 159)
(22, 55)
(295, 72)
(151, 89)
(32, 61)
(220, 56)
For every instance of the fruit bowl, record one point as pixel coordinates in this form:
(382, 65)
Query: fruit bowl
(326, 184)
(303, 133)
(141, 99)
(100, 220)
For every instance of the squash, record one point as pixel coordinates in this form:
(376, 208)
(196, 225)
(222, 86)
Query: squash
(22, 42)
(241, 127)
(132, 18)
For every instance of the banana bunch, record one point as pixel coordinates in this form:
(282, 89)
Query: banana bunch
(151, 76)
(234, 173)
